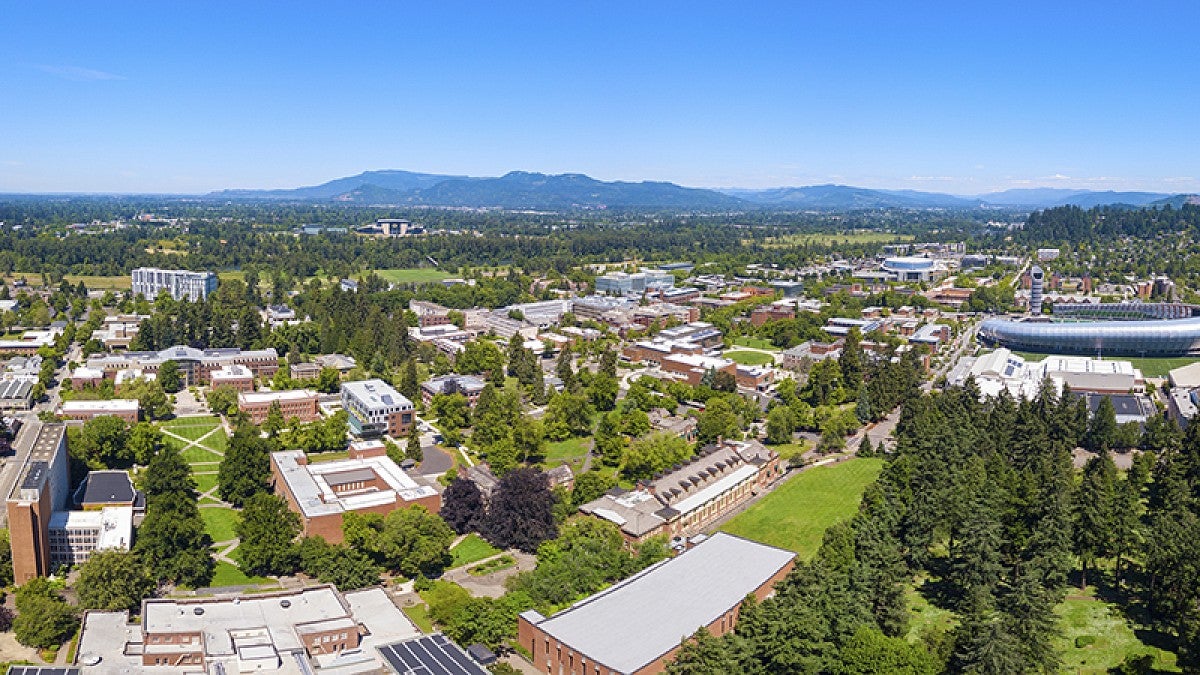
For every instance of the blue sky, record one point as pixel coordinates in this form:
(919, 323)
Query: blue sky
(955, 97)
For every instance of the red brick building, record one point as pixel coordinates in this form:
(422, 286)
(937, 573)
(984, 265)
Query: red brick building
(299, 403)
(636, 626)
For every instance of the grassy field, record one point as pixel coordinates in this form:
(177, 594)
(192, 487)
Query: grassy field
(757, 343)
(117, 283)
(1150, 367)
(328, 456)
(205, 481)
(197, 454)
(571, 451)
(229, 575)
(471, 549)
(1114, 639)
(796, 515)
(748, 358)
(419, 615)
(219, 523)
(793, 450)
(416, 275)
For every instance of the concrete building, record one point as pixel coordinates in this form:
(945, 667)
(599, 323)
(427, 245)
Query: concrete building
(125, 409)
(376, 409)
(75, 535)
(295, 632)
(150, 281)
(1001, 369)
(621, 283)
(469, 386)
(685, 499)
(366, 482)
(636, 626)
(299, 403)
(16, 394)
(908, 268)
(1037, 285)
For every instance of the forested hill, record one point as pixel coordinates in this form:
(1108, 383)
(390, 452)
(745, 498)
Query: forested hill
(1070, 224)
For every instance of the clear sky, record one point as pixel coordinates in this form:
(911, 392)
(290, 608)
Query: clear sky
(962, 97)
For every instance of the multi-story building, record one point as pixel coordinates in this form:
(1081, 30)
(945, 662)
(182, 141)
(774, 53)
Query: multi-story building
(234, 375)
(376, 409)
(42, 487)
(150, 281)
(298, 403)
(683, 501)
(467, 385)
(315, 629)
(636, 626)
(366, 482)
(125, 409)
(772, 312)
(196, 366)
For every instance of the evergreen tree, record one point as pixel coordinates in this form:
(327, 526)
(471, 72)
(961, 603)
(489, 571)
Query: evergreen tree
(1093, 514)
(246, 467)
(267, 530)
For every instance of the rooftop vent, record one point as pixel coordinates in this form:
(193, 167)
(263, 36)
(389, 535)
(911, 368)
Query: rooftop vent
(198, 611)
(285, 603)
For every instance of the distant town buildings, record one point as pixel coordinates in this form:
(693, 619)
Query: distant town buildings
(150, 281)
(622, 283)
(367, 481)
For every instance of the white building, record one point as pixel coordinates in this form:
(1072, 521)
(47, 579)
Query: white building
(75, 535)
(1001, 369)
(376, 408)
(150, 281)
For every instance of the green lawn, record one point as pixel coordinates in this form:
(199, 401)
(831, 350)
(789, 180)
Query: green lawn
(471, 549)
(117, 283)
(198, 455)
(1150, 367)
(328, 456)
(757, 343)
(796, 515)
(205, 481)
(748, 358)
(1114, 638)
(219, 523)
(419, 615)
(792, 450)
(571, 451)
(228, 575)
(420, 275)
(217, 441)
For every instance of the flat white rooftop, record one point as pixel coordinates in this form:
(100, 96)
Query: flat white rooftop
(310, 485)
(116, 405)
(252, 397)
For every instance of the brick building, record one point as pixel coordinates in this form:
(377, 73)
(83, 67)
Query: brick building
(195, 365)
(299, 403)
(636, 626)
(126, 409)
(234, 375)
(366, 482)
(683, 501)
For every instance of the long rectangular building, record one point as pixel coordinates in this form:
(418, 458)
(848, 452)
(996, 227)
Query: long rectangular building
(196, 366)
(636, 626)
(41, 489)
(150, 281)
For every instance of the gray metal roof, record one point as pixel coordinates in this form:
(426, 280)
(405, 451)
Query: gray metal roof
(635, 622)
(106, 487)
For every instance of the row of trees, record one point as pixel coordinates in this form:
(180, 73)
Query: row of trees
(982, 500)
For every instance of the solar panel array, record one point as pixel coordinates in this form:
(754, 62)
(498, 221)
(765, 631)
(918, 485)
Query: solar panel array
(430, 655)
(41, 670)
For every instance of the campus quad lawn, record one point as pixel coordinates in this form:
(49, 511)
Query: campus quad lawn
(219, 522)
(1114, 639)
(205, 481)
(757, 343)
(471, 549)
(198, 455)
(420, 275)
(797, 513)
(225, 574)
(748, 358)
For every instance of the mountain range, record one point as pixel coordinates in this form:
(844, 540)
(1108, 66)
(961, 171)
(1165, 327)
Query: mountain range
(526, 190)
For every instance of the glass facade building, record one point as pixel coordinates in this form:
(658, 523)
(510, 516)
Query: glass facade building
(1179, 337)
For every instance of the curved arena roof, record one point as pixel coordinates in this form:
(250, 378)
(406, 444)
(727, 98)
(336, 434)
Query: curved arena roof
(1176, 337)
(908, 263)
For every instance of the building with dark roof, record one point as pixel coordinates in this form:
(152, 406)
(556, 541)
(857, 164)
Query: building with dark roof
(687, 497)
(105, 488)
(637, 625)
(434, 654)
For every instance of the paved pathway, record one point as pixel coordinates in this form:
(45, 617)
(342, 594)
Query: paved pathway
(189, 443)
